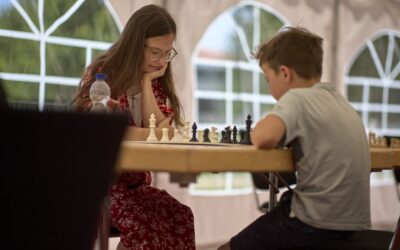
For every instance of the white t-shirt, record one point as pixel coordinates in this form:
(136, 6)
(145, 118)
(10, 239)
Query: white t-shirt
(135, 107)
(331, 151)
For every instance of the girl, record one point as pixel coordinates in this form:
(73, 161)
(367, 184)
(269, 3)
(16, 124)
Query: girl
(140, 79)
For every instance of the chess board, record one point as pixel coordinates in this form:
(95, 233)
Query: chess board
(207, 144)
(190, 133)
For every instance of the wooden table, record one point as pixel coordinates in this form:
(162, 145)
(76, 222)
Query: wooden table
(196, 158)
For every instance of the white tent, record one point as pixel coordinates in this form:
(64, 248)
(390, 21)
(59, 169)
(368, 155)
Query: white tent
(347, 28)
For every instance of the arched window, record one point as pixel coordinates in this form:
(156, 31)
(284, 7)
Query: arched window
(45, 46)
(373, 85)
(229, 84)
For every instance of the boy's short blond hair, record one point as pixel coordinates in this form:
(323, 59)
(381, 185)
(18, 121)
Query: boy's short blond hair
(296, 48)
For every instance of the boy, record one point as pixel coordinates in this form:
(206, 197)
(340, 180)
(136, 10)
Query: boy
(329, 144)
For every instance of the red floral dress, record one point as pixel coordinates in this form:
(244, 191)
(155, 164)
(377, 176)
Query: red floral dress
(149, 218)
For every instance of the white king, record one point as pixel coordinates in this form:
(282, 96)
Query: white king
(152, 126)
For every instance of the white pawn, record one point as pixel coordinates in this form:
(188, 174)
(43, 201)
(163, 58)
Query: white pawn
(152, 135)
(186, 132)
(200, 136)
(164, 137)
(213, 135)
(177, 136)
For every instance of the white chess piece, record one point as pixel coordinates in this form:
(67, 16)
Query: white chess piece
(152, 135)
(200, 135)
(177, 137)
(186, 131)
(164, 137)
(213, 135)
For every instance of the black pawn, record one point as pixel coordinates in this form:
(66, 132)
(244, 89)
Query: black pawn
(247, 139)
(222, 136)
(241, 133)
(228, 133)
(194, 132)
(234, 135)
(206, 137)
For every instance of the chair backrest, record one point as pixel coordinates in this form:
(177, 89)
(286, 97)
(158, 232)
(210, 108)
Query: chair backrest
(260, 180)
(395, 243)
(396, 172)
(3, 99)
(55, 171)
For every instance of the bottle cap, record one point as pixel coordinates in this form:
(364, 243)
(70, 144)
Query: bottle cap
(101, 76)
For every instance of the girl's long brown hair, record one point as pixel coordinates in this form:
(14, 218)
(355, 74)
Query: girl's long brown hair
(123, 61)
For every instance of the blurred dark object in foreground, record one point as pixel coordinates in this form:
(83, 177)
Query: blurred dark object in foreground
(56, 168)
(3, 98)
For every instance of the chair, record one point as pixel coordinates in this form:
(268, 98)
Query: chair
(360, 240)
(396, 171)
(366, 240)
(395, 242)
(261, 182)
(3, 99)
(55, 171)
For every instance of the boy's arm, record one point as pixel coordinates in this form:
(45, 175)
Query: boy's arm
(268, 132)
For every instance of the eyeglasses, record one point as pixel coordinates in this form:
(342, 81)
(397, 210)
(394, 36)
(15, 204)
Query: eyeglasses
(156, 54)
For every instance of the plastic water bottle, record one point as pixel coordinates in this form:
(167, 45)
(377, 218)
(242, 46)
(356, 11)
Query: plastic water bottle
(99, 93)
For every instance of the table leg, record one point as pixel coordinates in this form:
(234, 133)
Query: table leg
(104, 226)
(273, 184)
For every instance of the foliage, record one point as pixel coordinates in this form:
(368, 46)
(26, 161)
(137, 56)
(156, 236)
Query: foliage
(91, 22)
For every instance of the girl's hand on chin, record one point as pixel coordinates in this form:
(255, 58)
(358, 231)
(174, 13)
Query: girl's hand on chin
(155, 74)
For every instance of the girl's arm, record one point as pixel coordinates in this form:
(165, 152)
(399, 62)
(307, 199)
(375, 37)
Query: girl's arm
(149, 103)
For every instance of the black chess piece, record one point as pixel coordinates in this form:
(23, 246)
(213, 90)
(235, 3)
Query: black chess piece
(241, 133)
(228, 133)
(206, 137)
(247, 139)
(222, 136)
(234, 135)
(194, 132)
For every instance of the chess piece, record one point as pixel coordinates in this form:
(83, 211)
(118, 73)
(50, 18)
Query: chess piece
(177, 136)
(206, 137)
(186, 132)
(152, 135)
(234, 135)
(223, 137)
(372, 139)
(394, 143)
(247, 139)
(241, 133)
(228, 133)
(213, 137)
(200, 135)
(165, 137)
(194, 132)
(382, 142)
